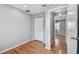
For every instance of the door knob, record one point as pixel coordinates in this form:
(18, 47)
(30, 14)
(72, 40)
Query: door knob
(73, 38)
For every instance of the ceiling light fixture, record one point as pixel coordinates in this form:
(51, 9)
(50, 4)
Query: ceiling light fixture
(59, 14)
(25, 6)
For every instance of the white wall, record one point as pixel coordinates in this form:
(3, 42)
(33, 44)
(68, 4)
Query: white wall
(15, 27)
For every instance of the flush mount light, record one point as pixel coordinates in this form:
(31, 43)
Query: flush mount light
(44, 5)
(59, 14)
(25, 6)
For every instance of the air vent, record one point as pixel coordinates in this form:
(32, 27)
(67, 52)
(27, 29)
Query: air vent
(28, 11)
(44, 5)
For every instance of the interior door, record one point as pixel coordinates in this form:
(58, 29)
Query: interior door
(71, 33)
(38, 29)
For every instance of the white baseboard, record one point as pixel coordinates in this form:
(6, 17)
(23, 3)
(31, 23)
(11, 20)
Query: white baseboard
(48, 48)
(39, 40)
(15, 46)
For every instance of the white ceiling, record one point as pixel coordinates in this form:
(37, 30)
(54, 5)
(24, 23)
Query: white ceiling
(35, 8)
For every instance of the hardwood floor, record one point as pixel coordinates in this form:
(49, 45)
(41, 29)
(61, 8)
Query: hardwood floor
(61, 45)
(37, 47)
(32, 47)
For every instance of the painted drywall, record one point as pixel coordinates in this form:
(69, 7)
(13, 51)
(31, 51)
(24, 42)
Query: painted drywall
(52, 27)
(15, 27)
(62, 27)
(38, 15)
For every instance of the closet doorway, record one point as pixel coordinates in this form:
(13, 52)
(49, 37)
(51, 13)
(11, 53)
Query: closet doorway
(39, 29)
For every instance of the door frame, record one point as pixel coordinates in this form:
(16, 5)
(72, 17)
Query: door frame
(50, 12)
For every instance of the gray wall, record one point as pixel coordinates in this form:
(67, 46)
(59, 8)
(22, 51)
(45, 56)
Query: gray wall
(52, 27)
(15, 27)
(62, 27)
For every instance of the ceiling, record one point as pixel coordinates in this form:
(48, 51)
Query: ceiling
(60, 14)
(35, 8)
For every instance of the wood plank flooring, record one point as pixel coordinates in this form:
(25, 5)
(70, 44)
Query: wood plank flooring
(62, 45)
(37, 47)
(32, 47)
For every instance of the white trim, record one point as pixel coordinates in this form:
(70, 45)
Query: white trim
(40, 40)
(56, 8)
(48, 48)
(15, 46)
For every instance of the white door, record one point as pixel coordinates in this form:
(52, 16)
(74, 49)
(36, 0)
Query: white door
(38, 29)
(71, 29)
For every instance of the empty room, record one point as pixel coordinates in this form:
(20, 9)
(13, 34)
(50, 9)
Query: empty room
(39, 29)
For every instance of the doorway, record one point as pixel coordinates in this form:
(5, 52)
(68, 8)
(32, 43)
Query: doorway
(58, 26)
(39, 29)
